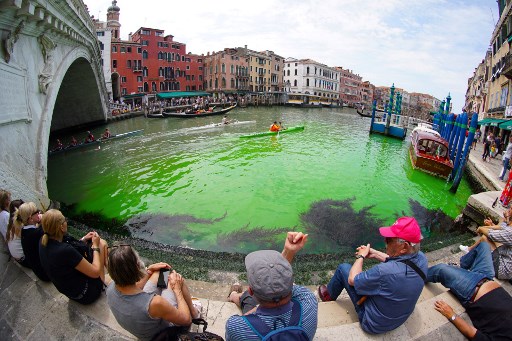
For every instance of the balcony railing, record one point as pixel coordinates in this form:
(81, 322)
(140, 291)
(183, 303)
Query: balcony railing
(507, 67)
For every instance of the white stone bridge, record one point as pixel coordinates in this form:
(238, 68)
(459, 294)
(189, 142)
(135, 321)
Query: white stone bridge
(50, 79)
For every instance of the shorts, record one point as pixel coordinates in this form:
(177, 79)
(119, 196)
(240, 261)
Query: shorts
(91, 292)
(167, 294)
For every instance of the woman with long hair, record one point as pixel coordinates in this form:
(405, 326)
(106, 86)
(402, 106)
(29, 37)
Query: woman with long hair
(26, 214)
(27, 219)
(71, 273)
(138, 303)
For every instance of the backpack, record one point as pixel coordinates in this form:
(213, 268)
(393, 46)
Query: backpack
(294, 331)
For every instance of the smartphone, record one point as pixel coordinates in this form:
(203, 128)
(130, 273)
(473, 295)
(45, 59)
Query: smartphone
(163, 278)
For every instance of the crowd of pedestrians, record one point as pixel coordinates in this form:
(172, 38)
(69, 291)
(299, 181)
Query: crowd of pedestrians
(147, 301)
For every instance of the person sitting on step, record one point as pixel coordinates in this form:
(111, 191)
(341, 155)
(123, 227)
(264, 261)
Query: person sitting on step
(486, 302)
(385, 295)
(281, 303)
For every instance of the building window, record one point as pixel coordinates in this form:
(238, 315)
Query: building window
(139, 49)
(129, 49)
(145, 42)
(145, 54)
(188, 67)
(295, 83)
(114, 48)
(504, 93)
(102, 47)
(295, 72)
(124, 91)
(114, 64)
(139, 89)
(307, 82)
(100, 33)
(123, 49)
(129, 63)
(139, 79)
(159, 33)
(123, 79)
(145, 32)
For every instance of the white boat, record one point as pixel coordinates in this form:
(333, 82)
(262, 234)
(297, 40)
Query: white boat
(217, 125)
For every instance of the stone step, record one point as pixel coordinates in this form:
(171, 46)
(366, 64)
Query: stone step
(32, 310)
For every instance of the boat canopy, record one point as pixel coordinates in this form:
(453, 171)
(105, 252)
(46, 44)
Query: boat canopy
(174, 94)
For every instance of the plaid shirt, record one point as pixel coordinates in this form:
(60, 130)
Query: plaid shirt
(504, 252)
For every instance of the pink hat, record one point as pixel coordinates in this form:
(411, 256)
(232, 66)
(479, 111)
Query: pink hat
(405, 228)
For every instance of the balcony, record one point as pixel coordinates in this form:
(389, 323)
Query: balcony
(507, 66)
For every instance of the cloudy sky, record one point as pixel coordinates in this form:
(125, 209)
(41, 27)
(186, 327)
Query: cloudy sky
(428, 46)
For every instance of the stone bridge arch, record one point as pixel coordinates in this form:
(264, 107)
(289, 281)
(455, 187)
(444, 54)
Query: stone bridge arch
(50, 78)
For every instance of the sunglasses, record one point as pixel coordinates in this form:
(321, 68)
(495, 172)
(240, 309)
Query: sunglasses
(118, 245)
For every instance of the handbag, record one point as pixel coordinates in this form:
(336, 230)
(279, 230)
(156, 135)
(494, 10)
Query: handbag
(177, 333)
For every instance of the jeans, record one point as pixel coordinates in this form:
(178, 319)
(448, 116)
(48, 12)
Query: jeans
(474, 266)
(339, 282)
(505, 166)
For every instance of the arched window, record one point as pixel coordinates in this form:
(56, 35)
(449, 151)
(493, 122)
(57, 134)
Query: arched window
(232, 69)
(216, 83)
(295, 83)
(159, 55)
(307, 70)
(232, 83)
(287, 72)
(177, 56)
(210, 86)
(162, 84)
(177, 85)
(161, 72)
(145, 71)
(146, 87)
(223, 68)
(144, 54)
(307, 81)
(153, 86)
(223, 83)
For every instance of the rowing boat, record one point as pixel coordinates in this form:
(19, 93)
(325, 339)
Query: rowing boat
(216, 125)
(199, 113)
(95, 142)
(269, 133)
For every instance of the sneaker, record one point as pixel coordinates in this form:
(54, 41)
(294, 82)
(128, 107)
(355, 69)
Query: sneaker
(464, 248)
(323, 293)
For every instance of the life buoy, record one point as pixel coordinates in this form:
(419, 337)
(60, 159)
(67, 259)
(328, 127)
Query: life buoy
(115, 112)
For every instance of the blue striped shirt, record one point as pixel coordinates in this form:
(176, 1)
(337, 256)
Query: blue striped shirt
(238, 330)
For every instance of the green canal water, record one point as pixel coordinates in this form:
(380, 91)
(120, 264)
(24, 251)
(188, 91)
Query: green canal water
(209, 189)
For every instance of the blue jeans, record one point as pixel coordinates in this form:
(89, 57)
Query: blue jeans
(474, 266)
(505, 166)
(339, 282)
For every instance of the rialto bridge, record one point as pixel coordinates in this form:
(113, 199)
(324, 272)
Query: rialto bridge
(50, 79)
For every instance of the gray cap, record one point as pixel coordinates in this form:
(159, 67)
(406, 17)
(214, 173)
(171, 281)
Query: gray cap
(269, 274)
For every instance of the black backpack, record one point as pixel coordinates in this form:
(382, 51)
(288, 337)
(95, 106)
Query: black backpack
(294, 331)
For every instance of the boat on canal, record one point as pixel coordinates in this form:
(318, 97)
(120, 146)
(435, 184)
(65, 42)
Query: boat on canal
(270, 133)
(218, 125)
(199, 113)
(429, 152)
(95, 142)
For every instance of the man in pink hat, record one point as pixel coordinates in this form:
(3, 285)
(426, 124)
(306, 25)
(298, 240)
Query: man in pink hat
(385, 295)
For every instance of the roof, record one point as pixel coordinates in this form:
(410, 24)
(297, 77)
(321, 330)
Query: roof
(424, 135)
(175, 94)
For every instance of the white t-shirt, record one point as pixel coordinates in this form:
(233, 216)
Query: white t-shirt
(4, 221)
(15, 248)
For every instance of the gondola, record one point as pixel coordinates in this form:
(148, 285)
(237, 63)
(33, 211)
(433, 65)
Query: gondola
(199, 113)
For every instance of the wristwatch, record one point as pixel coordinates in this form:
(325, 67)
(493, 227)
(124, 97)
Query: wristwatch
(360, 256)
(95, 249)
(453, 318)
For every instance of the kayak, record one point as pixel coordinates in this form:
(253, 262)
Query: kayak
(95, 142)
(216, 125)
(269, 133)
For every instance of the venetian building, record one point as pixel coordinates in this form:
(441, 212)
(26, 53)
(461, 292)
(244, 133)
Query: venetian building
(350, 87)
(306, 76)
(367, 92)
(226, 71)
(476, 93)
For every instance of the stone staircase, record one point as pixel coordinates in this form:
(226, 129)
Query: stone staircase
(34, 310)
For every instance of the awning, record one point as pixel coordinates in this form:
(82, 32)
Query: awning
(133, 96)
(490, 122)
(181, 94)
(507, 125)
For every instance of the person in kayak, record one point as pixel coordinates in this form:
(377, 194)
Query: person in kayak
(281, 126)
(225, 120)
(274, 127)
(90, 137)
